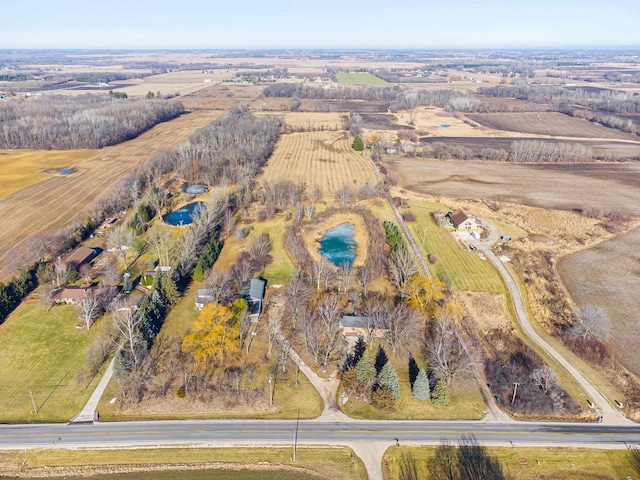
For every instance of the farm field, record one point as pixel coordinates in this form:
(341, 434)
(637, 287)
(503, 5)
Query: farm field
(530, 463)
(188, 463)
(548, 123)
(221, 97)
(462, 269)
(608, 186)
(359, 77)
(325, 159)
(21, 168)
(356, 106)
(57, 201)
(308, 120)
(42, 352)
(607, 276)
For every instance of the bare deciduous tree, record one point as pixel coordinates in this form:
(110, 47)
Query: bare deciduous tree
(329, 315)
(545, 377)
(345, 195)
(345, 274)
(591, 321)
(403, 327)
(402, 266)
(447, 355)
(90, 307)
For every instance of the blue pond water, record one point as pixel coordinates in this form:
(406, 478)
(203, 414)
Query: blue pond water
(338, 246)
(184, 215)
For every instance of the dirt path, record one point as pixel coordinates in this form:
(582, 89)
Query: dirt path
(610, 415)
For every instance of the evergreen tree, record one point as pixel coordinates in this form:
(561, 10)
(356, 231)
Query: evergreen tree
(365, 370)
(440, 394)
(383, 399)
(421, 386)
(359, 349)
(381, 359)
(388, 378)
(358, 144)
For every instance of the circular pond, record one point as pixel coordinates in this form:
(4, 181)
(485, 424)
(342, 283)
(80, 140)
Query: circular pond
(338, 246)
(184, 215)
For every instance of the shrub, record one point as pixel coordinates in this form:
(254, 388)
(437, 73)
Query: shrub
(383, 399)
(408, 217)
(358, 144)
(181, 393)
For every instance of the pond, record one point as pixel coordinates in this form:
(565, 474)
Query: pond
(184, 215)
(338, 246)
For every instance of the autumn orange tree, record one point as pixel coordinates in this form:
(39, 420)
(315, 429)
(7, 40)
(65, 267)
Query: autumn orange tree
(215, 337)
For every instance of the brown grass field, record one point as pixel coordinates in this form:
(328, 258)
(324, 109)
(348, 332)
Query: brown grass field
(548, 123)
(221, 97)
(21, 168)
(608, 276)
(608, 186)
(325, 159)
(56, 201)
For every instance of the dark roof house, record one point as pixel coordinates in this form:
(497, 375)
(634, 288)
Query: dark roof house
(82, 255)
(253, 293)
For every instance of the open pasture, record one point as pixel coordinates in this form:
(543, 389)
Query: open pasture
(608, 276)
(325, 159)
(604, 186)
(55, 202)
(358, 78)
(548, 123)
(21, 168)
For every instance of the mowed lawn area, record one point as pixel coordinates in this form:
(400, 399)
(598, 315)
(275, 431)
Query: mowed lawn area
(358, 77)
(528, 463)
(21, 168)
(203, 463)
(464, 270)
(42, 352)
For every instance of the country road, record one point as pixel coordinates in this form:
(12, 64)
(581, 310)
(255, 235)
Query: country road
(609, 414)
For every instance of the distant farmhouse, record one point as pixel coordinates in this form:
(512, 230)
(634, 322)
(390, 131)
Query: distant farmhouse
(253, 293)
(75, 295)
(462, 220)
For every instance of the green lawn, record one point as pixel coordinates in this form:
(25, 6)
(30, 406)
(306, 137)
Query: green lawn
(464, 270)
(359, 77)
(317, 462)
(282, 267)
(530, 463)
(42, 352)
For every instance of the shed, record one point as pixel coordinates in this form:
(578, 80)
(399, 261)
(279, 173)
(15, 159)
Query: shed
(253, 293)
(204, 297)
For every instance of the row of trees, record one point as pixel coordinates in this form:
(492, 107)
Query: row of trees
(86, 121)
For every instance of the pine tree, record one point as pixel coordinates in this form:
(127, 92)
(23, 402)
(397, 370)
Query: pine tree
(365, 370)
(440, 394)
(383, 399)
(421, 387)
(388, 378)
(359, 349)
(358, 144)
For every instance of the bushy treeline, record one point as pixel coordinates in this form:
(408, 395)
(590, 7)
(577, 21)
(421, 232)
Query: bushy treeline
(12, 292)
(87, 121)
(401, 98)
(231, 149)
(608, 101)
(539, 151)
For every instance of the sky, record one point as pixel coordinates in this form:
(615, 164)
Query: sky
(257, 24)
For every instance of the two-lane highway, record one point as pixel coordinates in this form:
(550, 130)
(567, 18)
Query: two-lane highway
(254, 432)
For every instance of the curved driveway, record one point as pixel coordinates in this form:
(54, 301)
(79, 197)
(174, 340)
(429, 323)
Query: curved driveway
(610, 415)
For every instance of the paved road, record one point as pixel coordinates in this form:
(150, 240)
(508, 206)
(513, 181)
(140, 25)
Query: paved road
(610, 415)
(263, 432)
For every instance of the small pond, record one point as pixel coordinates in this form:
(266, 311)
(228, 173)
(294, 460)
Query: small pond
(338, 246)
(194, 189)
(184, 215)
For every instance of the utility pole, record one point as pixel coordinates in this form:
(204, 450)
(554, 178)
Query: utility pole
(35, 409)
(515, 390)
(295, 436)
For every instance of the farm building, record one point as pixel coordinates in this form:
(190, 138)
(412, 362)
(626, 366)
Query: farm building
(462, 220)
(253, 293)
(82, 255)
(356, 326)
(204, 297)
